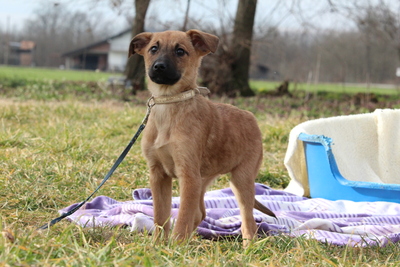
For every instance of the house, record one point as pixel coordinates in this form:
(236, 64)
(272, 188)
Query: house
(19, 53)
(110, 54)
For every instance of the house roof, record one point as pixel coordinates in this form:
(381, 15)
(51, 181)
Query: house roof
(23, 46)
(27, 45)
(85, 48)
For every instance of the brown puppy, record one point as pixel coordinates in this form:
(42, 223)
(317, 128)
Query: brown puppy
(194, 139)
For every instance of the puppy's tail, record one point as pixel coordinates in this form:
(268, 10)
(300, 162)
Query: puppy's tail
(263, 209)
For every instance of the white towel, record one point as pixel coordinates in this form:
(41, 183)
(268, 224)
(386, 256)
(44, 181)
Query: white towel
(366, 148)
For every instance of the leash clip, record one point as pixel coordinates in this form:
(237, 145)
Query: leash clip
(150, 103)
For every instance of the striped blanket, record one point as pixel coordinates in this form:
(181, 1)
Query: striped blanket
(335, 222)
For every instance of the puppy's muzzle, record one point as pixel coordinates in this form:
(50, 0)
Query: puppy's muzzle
(164, 71)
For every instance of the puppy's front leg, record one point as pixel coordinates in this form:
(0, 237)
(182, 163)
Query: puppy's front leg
(161, 187)
(191, 212)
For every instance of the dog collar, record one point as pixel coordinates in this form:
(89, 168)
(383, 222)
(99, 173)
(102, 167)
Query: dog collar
(181, 96)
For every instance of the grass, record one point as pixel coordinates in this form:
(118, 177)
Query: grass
(24, 75)
(350, 88)
(58, 141)
(39, 74)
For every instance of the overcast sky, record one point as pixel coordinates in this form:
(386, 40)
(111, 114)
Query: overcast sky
(15, 12)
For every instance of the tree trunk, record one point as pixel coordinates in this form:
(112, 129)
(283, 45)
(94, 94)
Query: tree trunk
(241, 46)
(185, 22)
(135, 70)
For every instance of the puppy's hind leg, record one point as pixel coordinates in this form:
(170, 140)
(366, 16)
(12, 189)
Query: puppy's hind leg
(206, 183)
(242, 184)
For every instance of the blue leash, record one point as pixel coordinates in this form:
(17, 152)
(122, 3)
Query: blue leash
(113, 168)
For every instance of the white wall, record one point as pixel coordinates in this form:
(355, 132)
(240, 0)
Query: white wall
(118, 55)
(117, 60)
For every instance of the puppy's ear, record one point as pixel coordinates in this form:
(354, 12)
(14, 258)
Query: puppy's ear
(203, 42)
(139, 42)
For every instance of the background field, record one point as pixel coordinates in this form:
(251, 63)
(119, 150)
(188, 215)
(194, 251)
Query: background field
(349, 88)
(24, 75)
(40, 74)
(59, 136)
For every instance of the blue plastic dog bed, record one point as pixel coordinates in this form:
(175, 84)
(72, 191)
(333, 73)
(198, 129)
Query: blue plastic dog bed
(326, 181)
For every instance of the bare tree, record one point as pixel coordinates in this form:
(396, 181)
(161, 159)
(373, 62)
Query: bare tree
(185, 22)
(135, 70)
(379, 22)
(228, 71)
(55, 29)
(241, 46)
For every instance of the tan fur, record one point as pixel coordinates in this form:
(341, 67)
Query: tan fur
(196, 140)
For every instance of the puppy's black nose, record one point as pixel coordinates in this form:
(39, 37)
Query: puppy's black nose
(159, 66)
(164, 71)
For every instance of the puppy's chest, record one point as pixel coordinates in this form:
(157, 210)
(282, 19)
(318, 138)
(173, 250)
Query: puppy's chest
(162, 147)
(163, 155)
(163, 126)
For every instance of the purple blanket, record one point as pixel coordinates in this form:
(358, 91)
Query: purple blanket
(334, 222)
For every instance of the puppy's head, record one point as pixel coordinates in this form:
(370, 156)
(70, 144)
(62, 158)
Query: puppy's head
(172, 58)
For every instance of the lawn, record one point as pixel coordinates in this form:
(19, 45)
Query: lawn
(57, 144)
(349, 88)
(37, 74)
(25, 75)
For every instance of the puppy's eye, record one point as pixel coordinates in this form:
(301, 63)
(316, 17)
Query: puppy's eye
(180, 52)
(153, 49)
